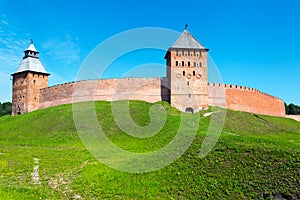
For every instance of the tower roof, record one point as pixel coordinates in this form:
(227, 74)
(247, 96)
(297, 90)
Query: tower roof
(187, 41)
(31, 64)
(31, 48)
(31, 61)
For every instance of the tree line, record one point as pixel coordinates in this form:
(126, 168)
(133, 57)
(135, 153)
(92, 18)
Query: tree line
(5, 108)
(292, 109)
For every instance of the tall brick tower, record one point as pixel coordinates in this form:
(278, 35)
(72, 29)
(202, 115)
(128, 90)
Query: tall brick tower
(187, 74)
(29, 78)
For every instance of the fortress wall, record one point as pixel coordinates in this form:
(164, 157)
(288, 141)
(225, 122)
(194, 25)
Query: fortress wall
(295, 117)
(152, 90)
(147, 89)
(216, 94)
(246, 99)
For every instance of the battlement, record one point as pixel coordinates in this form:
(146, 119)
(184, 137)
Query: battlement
(239, 87)
(246, 99)
(147, 89)
(109, 79)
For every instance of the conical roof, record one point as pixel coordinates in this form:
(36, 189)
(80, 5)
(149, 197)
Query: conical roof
(187, 41)
(31, 62)
(31, 48)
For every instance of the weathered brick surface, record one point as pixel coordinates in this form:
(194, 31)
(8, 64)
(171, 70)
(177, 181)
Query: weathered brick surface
(151, 90)
(217, 95)
(246, 99)
(187, 72)
(26, 91)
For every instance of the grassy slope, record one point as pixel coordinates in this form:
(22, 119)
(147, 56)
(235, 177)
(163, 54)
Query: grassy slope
(255, 157)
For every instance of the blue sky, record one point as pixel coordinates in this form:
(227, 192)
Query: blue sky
(254, 43)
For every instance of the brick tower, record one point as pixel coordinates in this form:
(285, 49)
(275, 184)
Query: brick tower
(29, 78)
(187, 74)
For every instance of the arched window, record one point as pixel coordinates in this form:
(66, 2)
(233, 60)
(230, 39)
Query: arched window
(200, 64)
(176, 63)
(188, 83)
(183, 73)
(194, 73)
(194, 64)
(189, 110)
(182, 63)
(189, 64)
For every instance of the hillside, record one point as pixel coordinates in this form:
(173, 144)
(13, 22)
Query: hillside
(256, 157)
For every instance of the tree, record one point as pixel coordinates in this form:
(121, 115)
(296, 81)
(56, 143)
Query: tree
(292, 109)
(5, 108)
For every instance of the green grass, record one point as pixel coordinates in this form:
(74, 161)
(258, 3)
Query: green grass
(256, 157)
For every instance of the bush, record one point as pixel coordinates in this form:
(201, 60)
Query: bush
(5, 108)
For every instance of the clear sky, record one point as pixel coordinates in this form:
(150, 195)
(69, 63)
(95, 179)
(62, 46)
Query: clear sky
(254, 43)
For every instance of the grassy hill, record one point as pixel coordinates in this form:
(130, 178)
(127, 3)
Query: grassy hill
(256, 157)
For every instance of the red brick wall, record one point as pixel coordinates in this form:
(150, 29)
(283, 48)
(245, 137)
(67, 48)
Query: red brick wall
(188, 78)
(150, 90)
(246, 99)
(26, 91)
(216, 95)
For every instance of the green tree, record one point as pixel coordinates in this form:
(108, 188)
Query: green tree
(5, 108)
(292, 109)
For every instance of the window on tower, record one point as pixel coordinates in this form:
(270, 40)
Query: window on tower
(189, 64)
(194, 73)
(182, 63)
(176, 63)
(183, 73)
